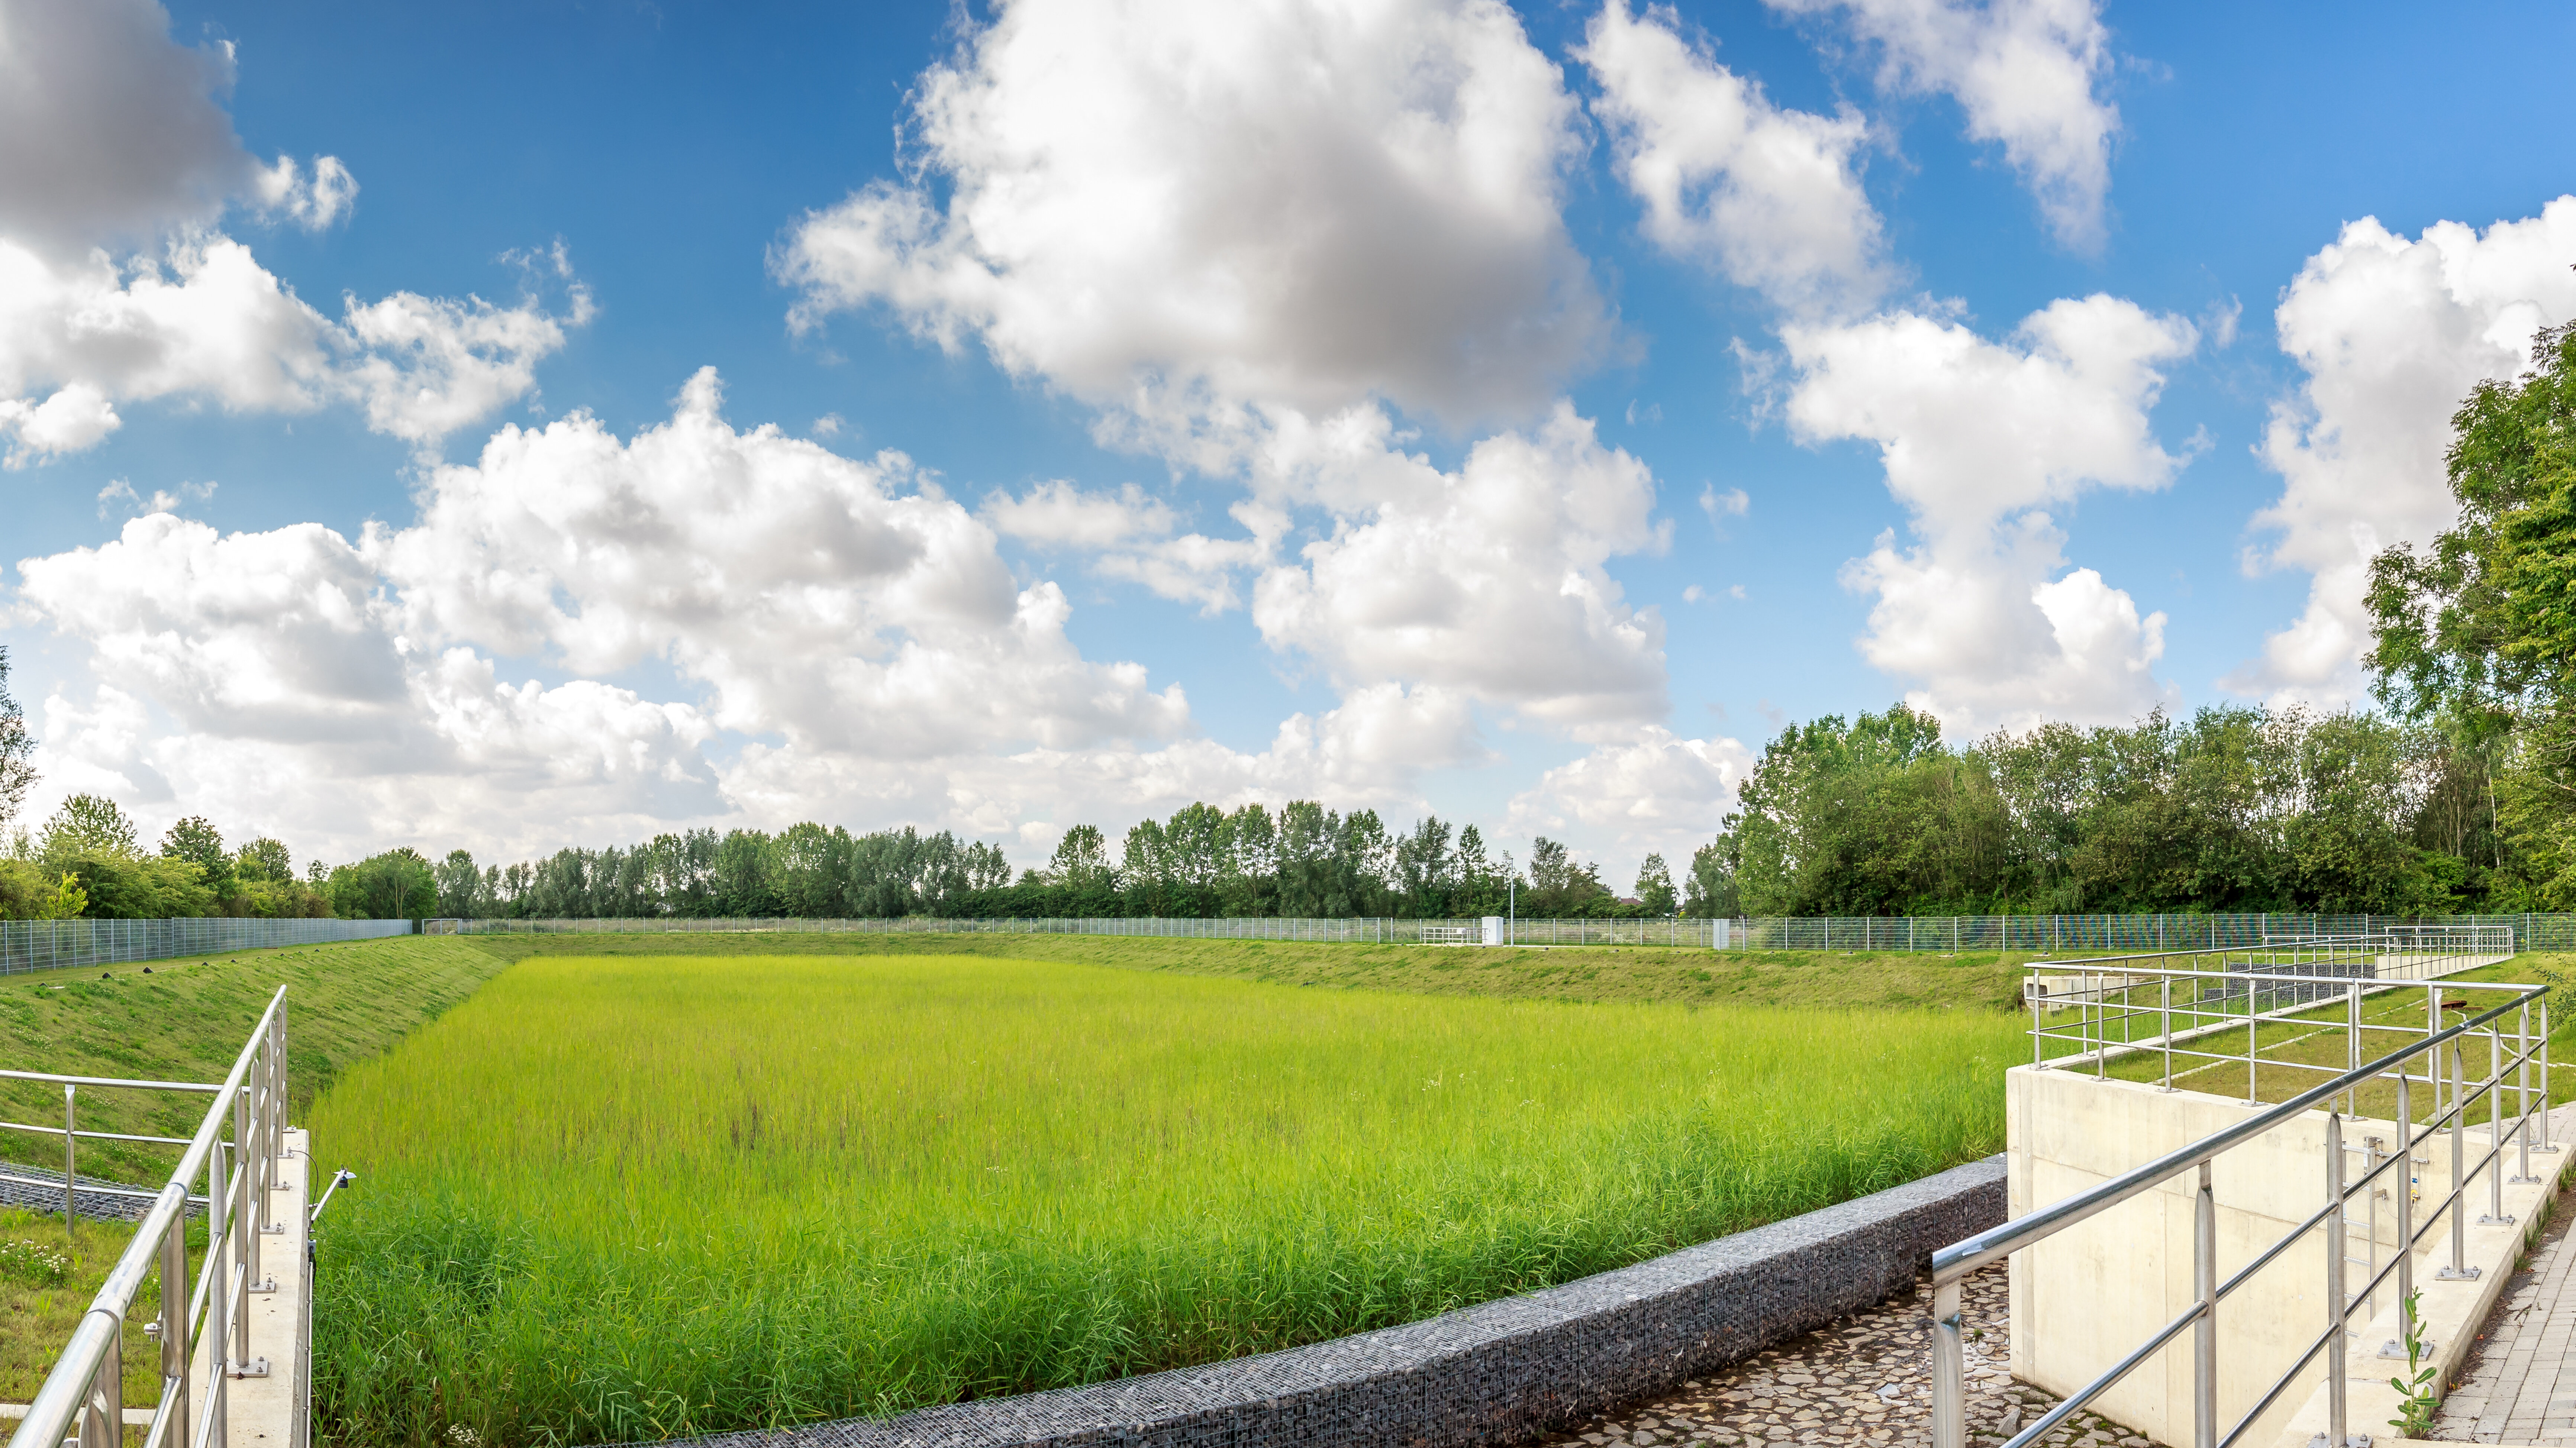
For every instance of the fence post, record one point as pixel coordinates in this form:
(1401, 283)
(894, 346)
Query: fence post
(68, 1142)
(2204, 1333)
(2405, 1188)
(2459, 1270)
(2336, 1386)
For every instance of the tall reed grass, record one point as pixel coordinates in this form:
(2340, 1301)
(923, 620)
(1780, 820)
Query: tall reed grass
(611, 1200)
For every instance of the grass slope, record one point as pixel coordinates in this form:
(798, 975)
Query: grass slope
(1801, 978)
(739, 1191)
(184, 1021)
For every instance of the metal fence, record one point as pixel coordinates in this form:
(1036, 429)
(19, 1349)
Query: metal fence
(27, 945)
(2431, 1058)
(1940, 934)
(236, 1153)
(1373, 930)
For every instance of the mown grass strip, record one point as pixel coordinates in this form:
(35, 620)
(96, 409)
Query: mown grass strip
(1807, 979)
(611, 1199)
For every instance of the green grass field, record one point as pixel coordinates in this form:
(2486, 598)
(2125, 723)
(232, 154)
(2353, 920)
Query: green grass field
(625, 1197)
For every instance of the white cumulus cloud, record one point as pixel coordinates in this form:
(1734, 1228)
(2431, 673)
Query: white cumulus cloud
(1171, 210)
(2392, 334)
(1769, 195)
(1654, 792)
(117, 163)
(1490, 581)
(1977, 439)
(2028, 73)
(814, 595)
(206, 321)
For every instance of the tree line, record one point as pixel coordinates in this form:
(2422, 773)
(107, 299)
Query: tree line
(1302, 860)
(2233, 809)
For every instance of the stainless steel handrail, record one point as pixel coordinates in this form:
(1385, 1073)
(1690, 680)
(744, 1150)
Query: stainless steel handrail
(1953, 1263)
(81, 1396)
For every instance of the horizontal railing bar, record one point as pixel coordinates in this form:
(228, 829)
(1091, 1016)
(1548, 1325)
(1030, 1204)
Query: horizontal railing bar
(197, 1086)
(2282, 1244)
(1961, 1258)
(2094, 1389)
(2281, 1383)
(56, 1184)
(91, 1135)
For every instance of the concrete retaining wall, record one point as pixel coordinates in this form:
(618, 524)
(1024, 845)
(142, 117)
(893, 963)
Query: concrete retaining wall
(1499, 1373)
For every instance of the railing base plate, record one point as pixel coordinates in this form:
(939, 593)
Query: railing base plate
(2395, 1349)
(255, 1368)
(2486, 1221)
(2449, 1274)
(269, 1286)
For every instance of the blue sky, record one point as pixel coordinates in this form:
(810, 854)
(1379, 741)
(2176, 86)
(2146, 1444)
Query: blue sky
(1292, 401)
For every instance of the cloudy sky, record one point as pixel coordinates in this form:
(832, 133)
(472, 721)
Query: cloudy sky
(518, 425)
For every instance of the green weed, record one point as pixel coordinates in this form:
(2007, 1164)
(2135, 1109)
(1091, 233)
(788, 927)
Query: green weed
(618, 1199)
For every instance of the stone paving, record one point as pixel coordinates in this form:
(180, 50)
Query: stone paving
(1863, 1380)
(2518, 1385)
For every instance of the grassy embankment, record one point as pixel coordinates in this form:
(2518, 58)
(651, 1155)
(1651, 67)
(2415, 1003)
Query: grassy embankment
(1836, 980)
(185, 1021)
(751, 1190)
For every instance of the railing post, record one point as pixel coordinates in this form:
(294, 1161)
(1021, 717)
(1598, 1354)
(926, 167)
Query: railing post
(1949, 1370)
(2336, 1246)
(69, 1141)
(2405, 1188)
(2038, 1022)
(2253, 1092)
(2495, 1128)
(2168, 1032)
(2544, 1075)
(102, 1419)
(2459, 1270)
(174, 1327)
(2204, 1333)
(2522, 1093)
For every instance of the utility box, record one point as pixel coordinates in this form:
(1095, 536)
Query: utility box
(1494, 930)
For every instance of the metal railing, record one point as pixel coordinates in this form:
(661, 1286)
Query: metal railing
(82, 1398)
(1945, 934)
(2115, 1006)
(2509, 1073)
(27, 945)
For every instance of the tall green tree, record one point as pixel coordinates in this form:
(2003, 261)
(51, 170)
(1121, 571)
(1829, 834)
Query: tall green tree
(2479, 628)
(395, 885)
(196, 840)
(88, 825)
(17, 750)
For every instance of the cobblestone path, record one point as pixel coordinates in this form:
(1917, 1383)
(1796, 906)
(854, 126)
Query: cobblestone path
(1863, 1380)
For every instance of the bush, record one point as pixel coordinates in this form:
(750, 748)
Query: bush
(28, 891)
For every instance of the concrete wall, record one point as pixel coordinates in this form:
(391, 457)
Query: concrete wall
(1503, 1372)
(2085, 1297)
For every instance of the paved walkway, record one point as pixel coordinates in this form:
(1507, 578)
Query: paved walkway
(1865, 1380)
(2519, 1385)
